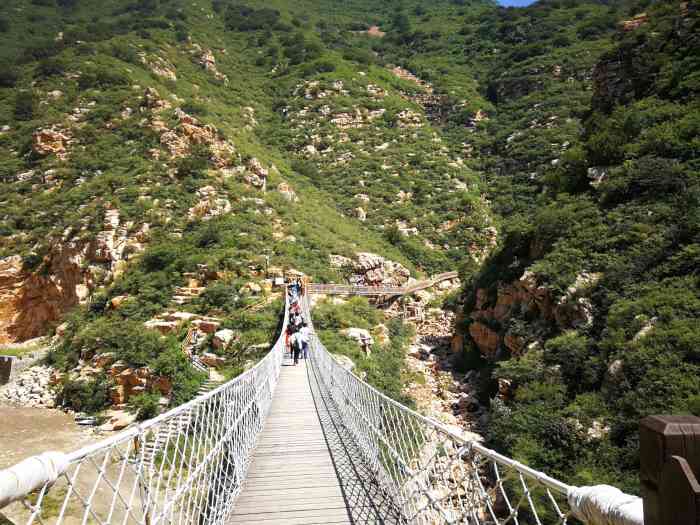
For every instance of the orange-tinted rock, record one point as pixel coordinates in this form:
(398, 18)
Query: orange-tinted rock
(206, 326)
(457, 343)
(213, 360)
(634, 23)
(515, 344)
(104, 360)
(31, 302)
(486, 339)
(117, 301)
(51, 141)
(117, 395)
(163, 385)
(164, 327)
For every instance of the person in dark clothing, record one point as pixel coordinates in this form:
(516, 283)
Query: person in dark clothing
(297, 344)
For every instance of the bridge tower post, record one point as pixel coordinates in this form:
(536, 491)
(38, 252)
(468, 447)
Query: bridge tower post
(670, 469)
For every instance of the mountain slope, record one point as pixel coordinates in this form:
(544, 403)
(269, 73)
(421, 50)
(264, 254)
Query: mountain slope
(156, 148)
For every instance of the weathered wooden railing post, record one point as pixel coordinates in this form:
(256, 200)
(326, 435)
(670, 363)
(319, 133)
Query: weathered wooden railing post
(670, 469)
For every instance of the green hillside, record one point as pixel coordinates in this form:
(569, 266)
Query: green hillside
(548, 153)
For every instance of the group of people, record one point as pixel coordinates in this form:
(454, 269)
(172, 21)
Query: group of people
(298, 331)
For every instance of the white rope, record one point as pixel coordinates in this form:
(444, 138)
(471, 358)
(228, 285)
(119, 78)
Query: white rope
(605, 505)
(30, 475)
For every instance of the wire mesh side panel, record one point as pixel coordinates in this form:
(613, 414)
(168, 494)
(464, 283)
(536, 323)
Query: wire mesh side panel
(184, 467)
(434, 475)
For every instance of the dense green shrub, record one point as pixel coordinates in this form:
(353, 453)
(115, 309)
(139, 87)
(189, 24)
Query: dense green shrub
(102, 77)
(50, 67)
(146, 405)
(85, 395)
(8, 76)
(244, 18)
(24, 105)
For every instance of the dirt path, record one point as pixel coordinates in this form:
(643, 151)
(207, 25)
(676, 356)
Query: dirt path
(26, 432)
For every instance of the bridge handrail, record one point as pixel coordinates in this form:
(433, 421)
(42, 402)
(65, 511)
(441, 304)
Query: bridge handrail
(437, 476)
(193, 476)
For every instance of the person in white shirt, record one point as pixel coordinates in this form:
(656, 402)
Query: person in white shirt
(305, 339)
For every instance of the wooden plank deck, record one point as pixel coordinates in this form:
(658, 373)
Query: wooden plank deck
(292, 479)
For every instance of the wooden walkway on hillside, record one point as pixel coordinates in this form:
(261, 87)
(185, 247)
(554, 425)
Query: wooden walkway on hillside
(304, 470)
(387, 291)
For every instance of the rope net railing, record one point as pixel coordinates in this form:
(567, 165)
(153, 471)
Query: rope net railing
(186, 466)
(435, 476)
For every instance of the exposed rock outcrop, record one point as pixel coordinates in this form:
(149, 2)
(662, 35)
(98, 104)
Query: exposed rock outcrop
(372, 269)
(32, 301)
(488, 323)
(52, 141)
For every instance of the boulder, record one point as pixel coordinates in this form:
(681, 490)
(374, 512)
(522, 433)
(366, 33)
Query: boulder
(102, 361)
(223, 338)
(117, 301)
(51, 141)
(287, 192)
(118, 420)
(181, 317)
(213, 360)
(253, 287)
(362, 336)
(207, 326)
(338, 261)
(485, 338)
(164, 385)
(164, 327)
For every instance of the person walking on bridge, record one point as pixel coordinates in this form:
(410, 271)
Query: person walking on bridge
(297, 344)
(305, 339)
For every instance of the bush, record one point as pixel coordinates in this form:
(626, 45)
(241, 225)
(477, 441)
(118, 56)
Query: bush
(4, 25)
(124, 51)
(8, 76)
(194, 165)
(244, 18)
(320, 66)
(146, 405)
(362, 56)
(50, 67)
(24, 105)
(84, 395)
(102, 77)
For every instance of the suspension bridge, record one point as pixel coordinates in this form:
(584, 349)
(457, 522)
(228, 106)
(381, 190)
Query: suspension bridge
(307, 444)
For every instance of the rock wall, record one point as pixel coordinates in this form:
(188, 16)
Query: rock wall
(31, 302)
(371, 269)
(490, 321)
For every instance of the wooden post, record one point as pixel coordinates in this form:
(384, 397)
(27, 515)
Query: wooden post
(670, 469)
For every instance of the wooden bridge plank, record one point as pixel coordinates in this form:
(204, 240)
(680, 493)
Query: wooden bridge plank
(292, 478)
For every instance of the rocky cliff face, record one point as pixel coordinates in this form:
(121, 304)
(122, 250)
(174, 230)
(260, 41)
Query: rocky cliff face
(507, 318)
(31, 301)
(370, 269)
